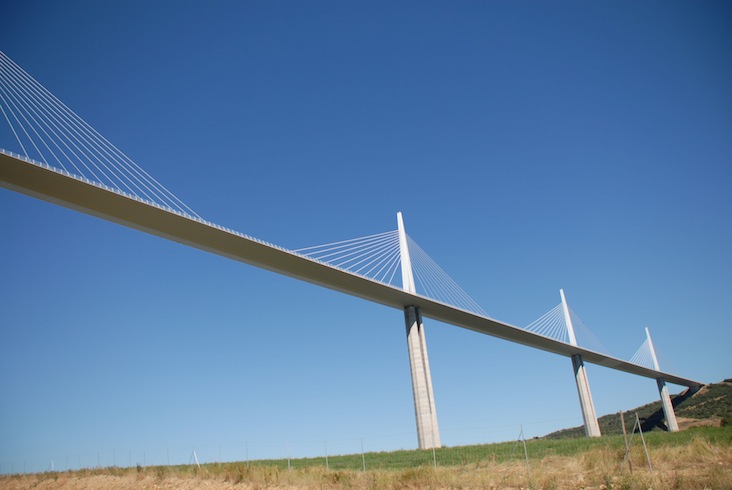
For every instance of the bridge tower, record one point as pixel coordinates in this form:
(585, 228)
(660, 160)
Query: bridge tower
(428, 433)
(592, 428)
(668, 407)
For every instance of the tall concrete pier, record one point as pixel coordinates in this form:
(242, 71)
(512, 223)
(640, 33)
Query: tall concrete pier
(668, 407)
(592, 428)
(428, 433)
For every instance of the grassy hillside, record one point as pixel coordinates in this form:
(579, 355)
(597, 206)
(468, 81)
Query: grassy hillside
(710, 405)
(693, 459)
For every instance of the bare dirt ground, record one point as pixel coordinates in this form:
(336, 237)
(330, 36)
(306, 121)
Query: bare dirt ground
(685, 423)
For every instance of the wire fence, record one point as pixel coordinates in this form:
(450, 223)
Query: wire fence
(355, 454)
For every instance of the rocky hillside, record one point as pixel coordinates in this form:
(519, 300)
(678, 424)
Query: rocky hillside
(709, 405)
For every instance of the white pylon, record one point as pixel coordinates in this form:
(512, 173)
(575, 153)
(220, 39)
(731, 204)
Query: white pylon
(592, 428)
(406, 261)
(668, 406)
(428, 433)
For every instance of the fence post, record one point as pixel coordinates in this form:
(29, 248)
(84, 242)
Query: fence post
(645, 448)
(625, 437)
(526, 454)
(289, 466)
(363, 456)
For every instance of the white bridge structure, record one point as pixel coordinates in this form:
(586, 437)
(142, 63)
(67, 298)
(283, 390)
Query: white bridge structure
(60, 159)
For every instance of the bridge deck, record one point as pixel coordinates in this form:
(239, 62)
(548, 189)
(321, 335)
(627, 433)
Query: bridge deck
(55, 187)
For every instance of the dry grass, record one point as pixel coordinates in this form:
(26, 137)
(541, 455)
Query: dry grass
(700, 464)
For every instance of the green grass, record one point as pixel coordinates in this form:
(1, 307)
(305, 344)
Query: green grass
(687, 460)
(537, 449)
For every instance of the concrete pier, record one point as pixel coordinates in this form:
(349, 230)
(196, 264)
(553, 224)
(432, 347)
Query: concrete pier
(428, 433)
(592, 428)
(668, 407)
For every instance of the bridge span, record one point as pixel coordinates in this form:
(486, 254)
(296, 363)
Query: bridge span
(49, 184)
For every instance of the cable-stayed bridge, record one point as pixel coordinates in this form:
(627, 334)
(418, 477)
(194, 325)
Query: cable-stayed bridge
(59, 158)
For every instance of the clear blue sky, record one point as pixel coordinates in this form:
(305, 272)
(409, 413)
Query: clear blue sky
(530, 146)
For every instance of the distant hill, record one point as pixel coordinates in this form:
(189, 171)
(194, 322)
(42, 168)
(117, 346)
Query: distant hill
(709, 405)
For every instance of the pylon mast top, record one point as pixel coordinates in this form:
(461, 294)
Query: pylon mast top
(407, 274)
